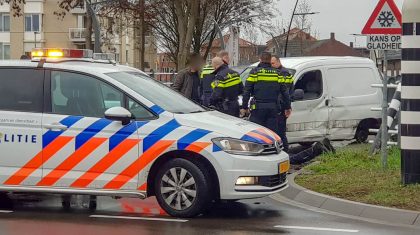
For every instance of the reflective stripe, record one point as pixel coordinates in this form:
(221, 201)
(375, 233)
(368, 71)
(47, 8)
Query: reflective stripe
(37, 161)
(142, 162)
(286, 79)
(105, 163)
(191, 137)
(71, 162)
(206, 71)
(234, 80)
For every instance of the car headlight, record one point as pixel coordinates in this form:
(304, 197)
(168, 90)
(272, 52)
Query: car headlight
(239, 147)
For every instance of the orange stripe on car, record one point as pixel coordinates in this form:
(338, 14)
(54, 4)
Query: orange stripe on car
(130, 172)
(37, 161)
(105, 163)
(268, 131)
(143, 187)
(71, 162)
(197, 147)
(261, 137)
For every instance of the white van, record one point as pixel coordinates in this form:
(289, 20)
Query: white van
(333, 98)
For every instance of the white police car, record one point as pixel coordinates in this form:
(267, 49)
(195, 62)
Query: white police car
(83, 127)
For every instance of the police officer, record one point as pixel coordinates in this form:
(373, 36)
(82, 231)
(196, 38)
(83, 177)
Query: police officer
(287, 79)
(206, 78)
(227, 86)
(265, 85)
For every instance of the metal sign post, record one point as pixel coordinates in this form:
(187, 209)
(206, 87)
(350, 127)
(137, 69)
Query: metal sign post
(383, 29)
(384, 128)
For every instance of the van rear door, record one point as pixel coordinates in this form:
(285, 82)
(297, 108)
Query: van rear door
(350, 98)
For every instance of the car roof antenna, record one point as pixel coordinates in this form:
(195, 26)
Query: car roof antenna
(41, 63)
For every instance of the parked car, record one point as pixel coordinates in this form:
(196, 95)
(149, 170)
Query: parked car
(332, 98)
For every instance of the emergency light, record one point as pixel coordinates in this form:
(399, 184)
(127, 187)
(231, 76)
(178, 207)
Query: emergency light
(61, 53)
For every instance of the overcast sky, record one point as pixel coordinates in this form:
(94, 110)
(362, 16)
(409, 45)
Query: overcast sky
(344, 17)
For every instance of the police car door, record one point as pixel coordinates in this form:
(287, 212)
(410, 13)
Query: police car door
(21, 104)
(309, 120)
(85, 150)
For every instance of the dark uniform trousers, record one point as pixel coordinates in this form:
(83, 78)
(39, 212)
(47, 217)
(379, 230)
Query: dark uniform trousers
(266, 117)
(266, 85)
(282, 128)
(206, 78)
(287, 79)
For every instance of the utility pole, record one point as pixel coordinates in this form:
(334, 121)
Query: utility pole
(290, 26)
(291, 22)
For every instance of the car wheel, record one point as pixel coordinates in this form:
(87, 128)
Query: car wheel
(5, 201)
(362, 135)
(182, 188)
(66, 202)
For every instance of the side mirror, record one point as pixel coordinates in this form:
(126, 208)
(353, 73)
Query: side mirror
(119, 114)
(298, 94)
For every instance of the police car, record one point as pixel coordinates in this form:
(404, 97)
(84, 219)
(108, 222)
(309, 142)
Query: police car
(73, 125)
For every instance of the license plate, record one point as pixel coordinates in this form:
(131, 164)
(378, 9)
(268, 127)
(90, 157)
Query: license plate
(284, 167)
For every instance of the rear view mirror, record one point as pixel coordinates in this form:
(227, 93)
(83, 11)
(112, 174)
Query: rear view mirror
(298, 94)
(119, 114)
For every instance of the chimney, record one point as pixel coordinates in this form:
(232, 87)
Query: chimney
(351, 44)
(332, 37)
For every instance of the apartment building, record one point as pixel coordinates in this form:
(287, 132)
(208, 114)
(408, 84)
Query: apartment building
(40, 27)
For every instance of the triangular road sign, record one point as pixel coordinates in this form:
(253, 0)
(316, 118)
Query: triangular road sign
(385, 19)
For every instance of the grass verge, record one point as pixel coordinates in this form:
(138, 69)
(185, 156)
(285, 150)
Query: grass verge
(352, 174)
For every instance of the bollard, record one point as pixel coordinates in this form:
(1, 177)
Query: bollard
(410, 93)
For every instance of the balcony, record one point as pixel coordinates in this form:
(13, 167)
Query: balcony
(77, 34)
(78, 10)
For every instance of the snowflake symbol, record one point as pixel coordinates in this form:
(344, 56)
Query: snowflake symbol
(386, 18)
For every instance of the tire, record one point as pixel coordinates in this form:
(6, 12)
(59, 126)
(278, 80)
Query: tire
(66, 202)
(5, 201)
(176, 198)
(362, 135)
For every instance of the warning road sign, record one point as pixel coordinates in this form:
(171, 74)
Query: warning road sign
(384, 42)
(385, 19)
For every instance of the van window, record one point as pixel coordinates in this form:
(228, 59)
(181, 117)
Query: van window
(340, 79)
(311, 83)
(21, 90)
(81, 95)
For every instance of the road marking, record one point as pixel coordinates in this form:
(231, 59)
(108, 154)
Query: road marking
(318, 229)
(5, 212)
(138, 218)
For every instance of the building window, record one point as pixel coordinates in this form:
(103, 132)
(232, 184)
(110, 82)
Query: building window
(32, 23)
(4, 51)
(4, 22)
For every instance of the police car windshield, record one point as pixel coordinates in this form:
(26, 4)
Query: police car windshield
(157, 92)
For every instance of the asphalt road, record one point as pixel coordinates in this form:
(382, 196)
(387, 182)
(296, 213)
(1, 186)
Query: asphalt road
(134, 216)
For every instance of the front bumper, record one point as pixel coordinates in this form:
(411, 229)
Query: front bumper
(266, 168)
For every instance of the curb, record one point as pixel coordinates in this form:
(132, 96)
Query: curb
(366, 211)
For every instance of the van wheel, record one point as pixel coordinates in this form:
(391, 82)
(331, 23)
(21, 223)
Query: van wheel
(182, 188)
(362, 134)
